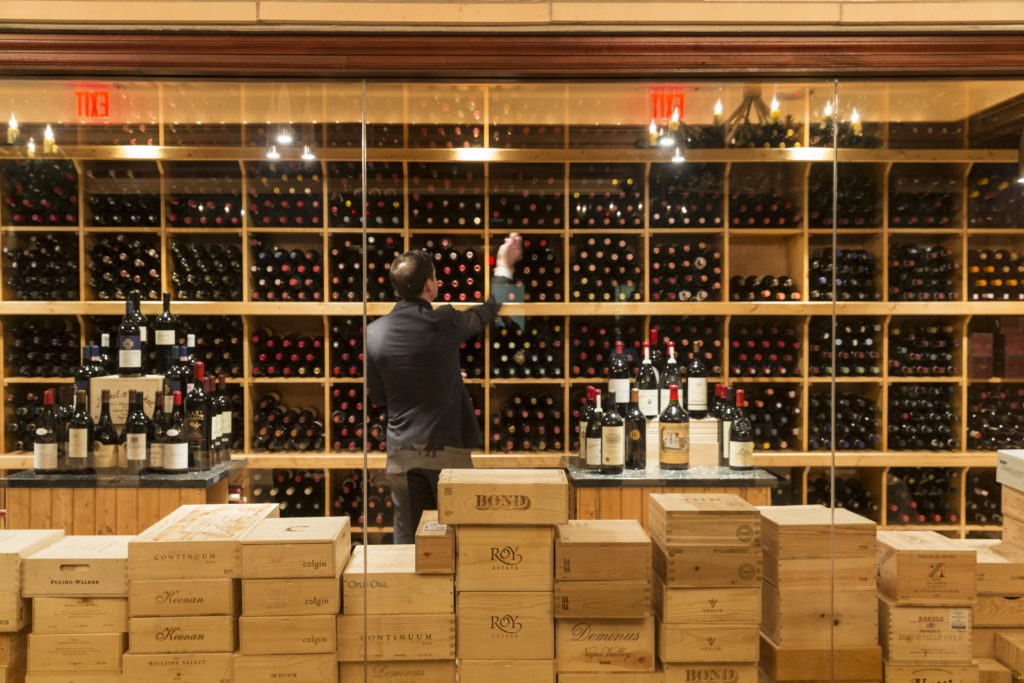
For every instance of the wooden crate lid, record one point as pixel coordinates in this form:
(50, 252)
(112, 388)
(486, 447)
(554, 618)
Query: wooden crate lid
(193, 523)
(383, 559)
(511, 477)
(282, 530)
(24, 542)
(921, 541)
(680, 504)
(429, 527)
(601, 532)
(84, 548)
(813, 515)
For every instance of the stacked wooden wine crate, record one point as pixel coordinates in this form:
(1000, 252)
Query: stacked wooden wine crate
(820, 607)
(15, 609)
(927, 589)
(183, 575)
(291, 597)
(79, 592)
(504, 575)
(707, 586)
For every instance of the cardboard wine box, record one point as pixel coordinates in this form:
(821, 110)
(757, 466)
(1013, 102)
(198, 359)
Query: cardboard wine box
(75, 651)
(276, 597)
(503, 496)
(602, 599)
(79, 615)
(441, 671)
(292, 548)
(707, 567)
(720, 520)
(15, 546)
(213, 667)
(806, 531)
(435, 545)
(186, 598)
(392, 585)
(506, 671)
(295, 635)
(1010, 473)
(707, 643)
(275, 668)
(605, 644)
(174, 635)
(991, 671)
(196, 541)
(656, 676)
(517, 625)
(78, 566)
(602, 550)
(860, 663)
(504, 558)
(394, 637)
(931, 673)
(925, 568)
(918, 633)
(706, 605)
(718, 671)
(795, 616)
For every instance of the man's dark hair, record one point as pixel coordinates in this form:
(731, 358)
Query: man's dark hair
(410, 272)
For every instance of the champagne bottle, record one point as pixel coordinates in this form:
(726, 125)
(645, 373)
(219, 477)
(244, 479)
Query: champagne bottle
(129, 343)
(80, 436)
(647, 384)
(696, 386)
(165, 336)
(636, 434)
(105, 448)
(136, 433)
(176, 441)
(613, 439)
(674, 433)
(741, 441)
(593, 460)
(44, 450)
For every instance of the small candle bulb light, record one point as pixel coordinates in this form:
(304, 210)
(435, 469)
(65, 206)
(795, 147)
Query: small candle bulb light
(776, 113)
(13, 132)
(673, 124)
(855, 124)
(652, 134)
(827, 119)
(717, 118)
(49, 144)
(31, 147)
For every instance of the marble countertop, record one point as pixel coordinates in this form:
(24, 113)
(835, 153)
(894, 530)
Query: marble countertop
(200, 479)
(694, 477)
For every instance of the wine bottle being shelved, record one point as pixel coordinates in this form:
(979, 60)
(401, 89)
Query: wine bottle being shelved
(347, 278)
(983, 499)
(42, 347)
(994, 417)
(285, 194)
(922, 417)
(291, 355)
(523, 352)
(207, 272)
(347, 497)
(922, 349)
(605, 269)
(41, 192)
(285, 274)
(857, 423)
(994, 197)
(995, 275)
(385, 206)
(539, 271)
(858, 199)
(855, 271)
(526, 196)
(922, 495)
(606, 196)
(278, 427)
(774, 413)
(919, 201)
(459, 272)
(446, 195)
(123, 262)
(763, 288)
(298, 493)
(527, 421)
(45, 267)
(851, 494)
(591, 343)
(922, 273)
(688, 271)
(118, 198)
(346, 347)
(764, 350)
(686, 196)
(858, 349)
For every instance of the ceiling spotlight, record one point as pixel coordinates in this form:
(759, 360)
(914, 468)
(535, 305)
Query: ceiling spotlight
(307, 154)
(678, 157)
(284, 137)
(666, 140)
(272, 153)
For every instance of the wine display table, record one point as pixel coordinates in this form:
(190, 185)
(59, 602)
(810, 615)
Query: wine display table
(624, 496)
(108, 504)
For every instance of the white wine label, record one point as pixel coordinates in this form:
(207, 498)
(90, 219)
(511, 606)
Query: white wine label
(620, 388)
(142, 333)
(225, 423)
(593, 452)
(156, 454)
(583, 440)
(648, 402)
(44, 456)
(741, 454)
(663, 398)
(129, 358)
(696, 393)
(165, 338)
(215, 426)
(674, 440)
(168, 403)
(726, 435)
(135, 446)
(613, 445)
(104, 455)
(175, 455)
(78, 443)
(959, 619)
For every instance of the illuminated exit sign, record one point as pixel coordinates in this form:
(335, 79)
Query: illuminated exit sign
(664, 101)
(92, 102)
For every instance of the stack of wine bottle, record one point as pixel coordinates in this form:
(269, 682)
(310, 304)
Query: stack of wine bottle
(858, 347)
(994, 197)
(205, 202)
(764, 209)
(384, 201)
(42, 347)
(45, 268)
(446, 195)
(443, 121)
(995, 275)
(606, 196)
(460, 273)
(591, 343)
(298, 493)
(983, 498)
(605, 269)
(921, 417)
(922, 349)
(766, 288)
(292, 355)
(346, 347)
(520, 122)
(285, 194)
(276, 426)
(923, 202)
(686, 196)
(922, 495)
(527, 422)
(526, 196)
(285, 275)
(122, 262)
(123, 202)
(773, 132)
(858, 199)
(539, 272)
(347, 417)
(855, 271)
(922, 273)
(24, 407)
(764, 350)
(347, 498)
(860, 135)
(687, 271)
(995, 415)
(376, 429)
(347, 280)
(533, 349)
(207, 272)
(349, 134)
(851, 494)
(857, 422)
(214, 339)
(41, 192)
(774, 417)
(471, 357)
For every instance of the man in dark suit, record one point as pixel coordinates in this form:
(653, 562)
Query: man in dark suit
(413, 370)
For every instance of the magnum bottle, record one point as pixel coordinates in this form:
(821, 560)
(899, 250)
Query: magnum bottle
(44, 450)
(674, 434)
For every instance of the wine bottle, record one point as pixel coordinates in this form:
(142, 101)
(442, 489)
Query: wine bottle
(165, 336)
(764, 351)
(741, 440)
(45, 270)
(106, 446)
(121, 264)
(135, 435)
(594, 457)
(636, 433)
(80, 436)
(198, 422)
(618, 378)
(696, 386)
(674, 433)
(157, 436)
(586, 415)
(647, 384)
(62, 412)
(44, 450)
(107, 359)
(728, 414)
(605, 269)
(226, 429)
(613, 439)
(669, 377)
(176, 440)
(130, 348)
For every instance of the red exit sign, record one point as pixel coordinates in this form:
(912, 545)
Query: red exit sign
(664, 101)
(92, 102)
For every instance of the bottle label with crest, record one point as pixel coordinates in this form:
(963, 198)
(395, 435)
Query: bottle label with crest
(129, 352)
(741, 454)
(674, 441)
(696, 393)
(613, 445)
(647, 400)
(135, 447)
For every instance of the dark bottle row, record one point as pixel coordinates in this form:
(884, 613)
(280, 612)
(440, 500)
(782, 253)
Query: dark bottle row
(687, 271)
(286, 355)
(857, 423)
(298, 493)
(850, 494)
(994, 197)
(348, 419)
(121, 263)
(922, 273)
(922, 350)
(285, 194)
(527, 421)
(686, 197)
(41, 192)
(207, 272)
(858, 348)
(775, 421)
(346, 268)
(995, 417)
(384, 195)
(923, 417)
(347, 347)
(532, 349)
(763, 288)
(350, 494)
(858, 197)
(772, 350)
(924, 201)
(43, 268)
(606, 269)
(995, 275)
(526, 196)
(855, 272)
(922, 495)
(459, 272)
(285, 274)
(276, 426)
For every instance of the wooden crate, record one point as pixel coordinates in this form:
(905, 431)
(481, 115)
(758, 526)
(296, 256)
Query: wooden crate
(275, 668)
(918, 633)
(1013, 531)
(423, 637)
(602, 599)
(174, 635)
(820, 572)
(1000, 567)
(656, 676)
(191, 597)
(998, 611)
(1012, 501)
(991, 671)
(291, 635)
(15, 546)
(503, 496)
(707, 567)
(702, 520)
(806, 531)
(517, 625)
(175, 668)
(794, 616)
(287, 548)
(75, 651)
(601, 550)
(15, 612)
(64, 677)
(435, 545)
(78, 566)
(984, 639)
(196, 541)
(274, 597)
(863, 663)
(13, 649)
(931, 673)
(1009, 649)
(605, 645)
(706, 643)
(925, 568)
(79, 615)
(504, 558)
(677, 672)
(391, 584)
(506, 671)
(441, 671)
(706, 605)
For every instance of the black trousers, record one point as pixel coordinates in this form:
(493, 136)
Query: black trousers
(412, 492)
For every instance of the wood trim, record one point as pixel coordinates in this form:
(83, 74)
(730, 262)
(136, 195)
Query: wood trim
(512, 56)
